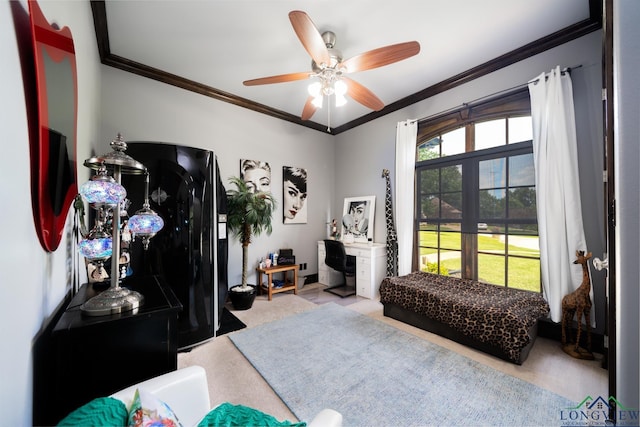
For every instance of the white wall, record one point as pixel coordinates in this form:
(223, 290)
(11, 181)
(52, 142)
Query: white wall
(33, 282)
(626, 38)
(146, 110)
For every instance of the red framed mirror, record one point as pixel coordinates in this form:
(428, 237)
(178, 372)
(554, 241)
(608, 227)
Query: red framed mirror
(53, 146)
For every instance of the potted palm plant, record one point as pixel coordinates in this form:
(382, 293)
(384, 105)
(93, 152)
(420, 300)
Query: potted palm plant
(248, 215)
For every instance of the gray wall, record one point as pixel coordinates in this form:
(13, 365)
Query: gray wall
(351, 163)
(34, 282)
(626, 103)
(363, 152)
(167, 114)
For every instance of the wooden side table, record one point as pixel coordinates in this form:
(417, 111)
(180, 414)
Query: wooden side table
(289, 285)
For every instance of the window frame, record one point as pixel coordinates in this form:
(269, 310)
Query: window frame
(513, 104)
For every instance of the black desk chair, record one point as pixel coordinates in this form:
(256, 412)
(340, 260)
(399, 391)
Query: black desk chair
(337, 258)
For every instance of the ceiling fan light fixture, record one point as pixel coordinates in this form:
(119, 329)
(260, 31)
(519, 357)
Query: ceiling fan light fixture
(328, 65)
(314, 89)
(327, 87)
(317, 101)
(340, 88)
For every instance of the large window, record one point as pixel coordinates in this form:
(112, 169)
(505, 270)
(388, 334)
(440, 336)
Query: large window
(475, 198)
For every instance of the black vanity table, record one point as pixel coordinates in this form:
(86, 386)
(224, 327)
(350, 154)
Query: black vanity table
(98, 355)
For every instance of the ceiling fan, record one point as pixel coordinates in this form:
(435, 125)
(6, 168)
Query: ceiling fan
(328, 65)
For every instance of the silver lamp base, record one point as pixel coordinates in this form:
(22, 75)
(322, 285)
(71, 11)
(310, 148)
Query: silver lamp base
(113, 301)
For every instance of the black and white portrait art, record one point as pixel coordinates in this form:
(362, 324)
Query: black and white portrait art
(357, 218)
(294, 195)
(256, 174)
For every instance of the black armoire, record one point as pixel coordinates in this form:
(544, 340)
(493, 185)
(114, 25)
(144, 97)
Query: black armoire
(191, 251)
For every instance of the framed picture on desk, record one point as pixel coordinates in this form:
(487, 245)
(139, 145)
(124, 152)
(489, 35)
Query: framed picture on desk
(358, 214)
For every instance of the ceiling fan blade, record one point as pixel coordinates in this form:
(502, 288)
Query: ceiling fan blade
(282, 78)
(309, 109)
(382, 56)
(309, 36)
(363, 95)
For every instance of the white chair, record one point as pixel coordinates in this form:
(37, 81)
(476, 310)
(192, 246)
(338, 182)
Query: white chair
(187, 393)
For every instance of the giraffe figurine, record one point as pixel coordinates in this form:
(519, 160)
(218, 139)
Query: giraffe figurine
(578, 303)
(392, 236)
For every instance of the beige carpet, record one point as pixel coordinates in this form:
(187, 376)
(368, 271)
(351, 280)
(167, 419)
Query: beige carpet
(232, 378)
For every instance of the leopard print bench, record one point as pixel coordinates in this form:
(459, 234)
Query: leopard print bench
(497, 320)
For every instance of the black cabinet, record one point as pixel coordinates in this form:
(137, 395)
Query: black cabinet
(97, 356)
(190, 252)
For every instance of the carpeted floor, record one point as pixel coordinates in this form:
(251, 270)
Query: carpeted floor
(233, 379)
(230, 377)
(375, 374)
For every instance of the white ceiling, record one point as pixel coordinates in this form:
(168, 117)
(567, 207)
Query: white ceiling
(221, 43)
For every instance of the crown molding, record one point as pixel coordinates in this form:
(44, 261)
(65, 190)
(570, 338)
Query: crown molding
(98, 8)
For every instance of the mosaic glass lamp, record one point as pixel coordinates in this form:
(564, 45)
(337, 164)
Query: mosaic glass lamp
(145, 223)
(106, 194)
(97, 246)
(102, 190)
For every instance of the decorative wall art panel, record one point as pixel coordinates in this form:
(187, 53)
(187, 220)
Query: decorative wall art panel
(294, 195)
(52, 127)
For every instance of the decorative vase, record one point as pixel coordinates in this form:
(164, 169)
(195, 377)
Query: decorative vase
(242, 300)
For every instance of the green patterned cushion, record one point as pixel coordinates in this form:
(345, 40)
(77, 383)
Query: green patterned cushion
(103, 411)
(228, 415)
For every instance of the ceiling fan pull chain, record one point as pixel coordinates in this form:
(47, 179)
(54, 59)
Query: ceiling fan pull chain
(329, 113)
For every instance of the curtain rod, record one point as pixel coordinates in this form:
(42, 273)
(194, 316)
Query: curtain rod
(408, 121)
(520, 86)
(562, 72)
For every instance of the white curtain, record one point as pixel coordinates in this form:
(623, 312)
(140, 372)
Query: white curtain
(406, 134)
(557, 186)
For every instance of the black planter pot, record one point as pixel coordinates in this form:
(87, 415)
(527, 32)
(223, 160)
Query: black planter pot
(242, 300)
